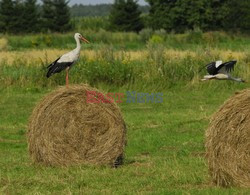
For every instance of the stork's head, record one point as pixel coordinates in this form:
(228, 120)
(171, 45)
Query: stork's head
(80, 37)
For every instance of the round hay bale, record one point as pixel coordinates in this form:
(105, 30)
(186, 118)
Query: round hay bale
(228, 142)
(65, 129)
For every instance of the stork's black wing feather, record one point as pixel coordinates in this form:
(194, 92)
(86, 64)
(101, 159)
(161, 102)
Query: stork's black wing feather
(56, 67)
(229, 66)
(53, 63)
(211, 68)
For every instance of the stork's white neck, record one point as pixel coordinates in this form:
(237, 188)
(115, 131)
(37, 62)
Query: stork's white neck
(78, 44)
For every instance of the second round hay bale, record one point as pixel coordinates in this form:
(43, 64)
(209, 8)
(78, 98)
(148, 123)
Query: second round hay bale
(65, 130)
(228, 142)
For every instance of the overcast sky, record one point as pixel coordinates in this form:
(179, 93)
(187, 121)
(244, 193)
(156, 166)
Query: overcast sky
(93, 2)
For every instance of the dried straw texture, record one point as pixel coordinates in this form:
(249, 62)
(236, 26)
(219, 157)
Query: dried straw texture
(228, 142)
(65, 130)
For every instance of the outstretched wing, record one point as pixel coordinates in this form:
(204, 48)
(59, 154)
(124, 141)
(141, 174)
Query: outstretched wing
(213, 67)
(227, 67)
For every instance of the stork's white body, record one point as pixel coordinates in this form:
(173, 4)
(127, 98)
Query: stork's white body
(217, 76)
(72, 56)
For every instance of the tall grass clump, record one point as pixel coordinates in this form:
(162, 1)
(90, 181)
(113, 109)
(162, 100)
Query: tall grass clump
(116, 73)
(3, 44)
(145, 34)
(158, 68)
(242, 68)
(194, 37)
(23, 73)
(108, 68)
(211, 38)
(163, 66)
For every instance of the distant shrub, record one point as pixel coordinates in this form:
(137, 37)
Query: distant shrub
(215, 37)
(161, 32)
(108, 68)
(194, 37)
(156, 39)
(116, 72)
(145, 34)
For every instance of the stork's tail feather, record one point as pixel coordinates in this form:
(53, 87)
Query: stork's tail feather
(57, 67)
(49, 73)
(52, 67)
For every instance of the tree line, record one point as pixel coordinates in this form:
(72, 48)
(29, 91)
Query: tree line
(79, 10)
(27, 16)
(182, 15)
(18, 16)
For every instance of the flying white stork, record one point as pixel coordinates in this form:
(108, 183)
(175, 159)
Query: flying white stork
(67, 60)
(221, 71)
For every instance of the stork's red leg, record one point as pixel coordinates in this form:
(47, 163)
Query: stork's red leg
(67, 77)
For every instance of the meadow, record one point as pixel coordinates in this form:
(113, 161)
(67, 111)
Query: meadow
(165, 153)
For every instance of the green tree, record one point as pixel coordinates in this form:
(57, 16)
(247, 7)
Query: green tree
(17, 20)
(30, 16)
(159, 14)
(237, 15)
(48, 15)
(179, 15)
(188, 15)
(125, 16)
(220, 11)
(62, 16)
(6, 13)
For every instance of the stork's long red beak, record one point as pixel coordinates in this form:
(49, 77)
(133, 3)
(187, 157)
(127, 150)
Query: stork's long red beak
(84, 40)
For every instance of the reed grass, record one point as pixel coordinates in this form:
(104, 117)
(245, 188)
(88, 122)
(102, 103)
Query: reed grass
(35, 56)
(153, 67)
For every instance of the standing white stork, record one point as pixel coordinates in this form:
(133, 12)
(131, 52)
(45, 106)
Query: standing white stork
(67, 60)
(221, 71)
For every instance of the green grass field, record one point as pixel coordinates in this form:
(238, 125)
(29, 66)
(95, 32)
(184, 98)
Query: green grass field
(165, 150)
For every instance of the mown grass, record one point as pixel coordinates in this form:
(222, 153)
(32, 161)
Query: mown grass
(165, 151)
